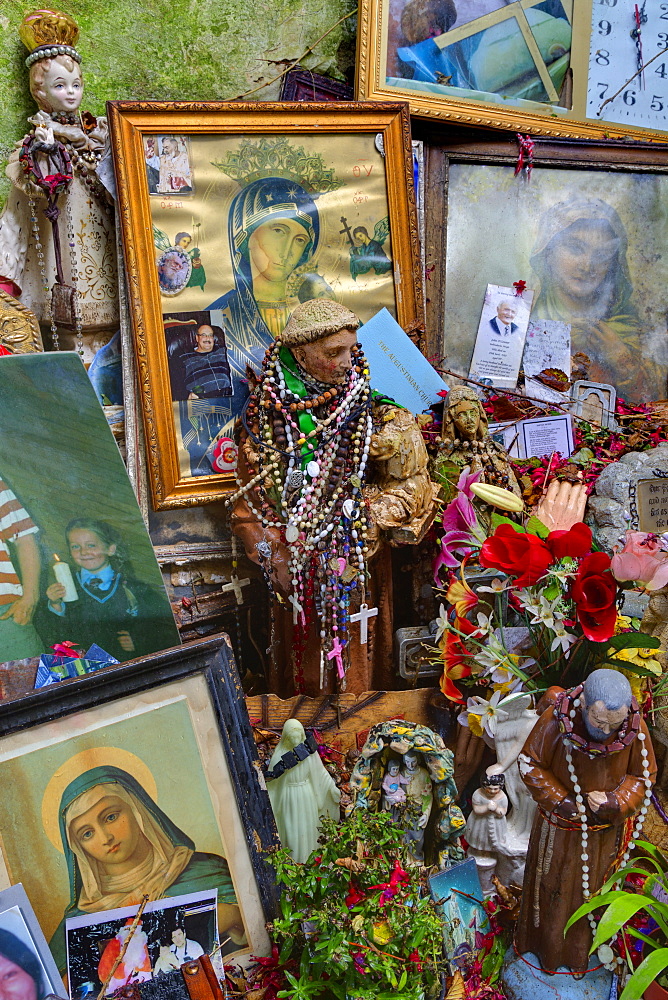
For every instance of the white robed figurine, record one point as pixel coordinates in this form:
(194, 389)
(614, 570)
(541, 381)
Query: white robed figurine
(302, 794)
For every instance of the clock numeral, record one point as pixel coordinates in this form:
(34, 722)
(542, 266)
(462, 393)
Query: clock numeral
(664, 8)
(602, 89)
(603, 57)
(604, 27)
(657, 103)
(663, 40)
(629, 97)
(607, 3)
(661, 71)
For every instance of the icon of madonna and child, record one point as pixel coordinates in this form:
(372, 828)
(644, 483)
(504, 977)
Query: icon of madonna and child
(119, 845)
(273, 229)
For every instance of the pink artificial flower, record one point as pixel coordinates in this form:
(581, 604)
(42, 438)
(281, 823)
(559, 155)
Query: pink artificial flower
(642, 559)
(459, 522)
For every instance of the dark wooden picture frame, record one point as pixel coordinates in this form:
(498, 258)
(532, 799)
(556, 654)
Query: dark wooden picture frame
(75, 719)
(301, 84)
(609, 179)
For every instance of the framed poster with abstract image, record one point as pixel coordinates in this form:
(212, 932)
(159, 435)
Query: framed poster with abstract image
(138, 780)
(231, 215)
(543, 67)
(587, 234)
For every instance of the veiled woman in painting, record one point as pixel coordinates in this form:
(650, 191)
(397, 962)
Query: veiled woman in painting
(119, 846)
(580, 256)
(273, 228)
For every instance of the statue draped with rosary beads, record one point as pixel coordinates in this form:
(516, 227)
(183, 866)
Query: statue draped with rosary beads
(321, 479)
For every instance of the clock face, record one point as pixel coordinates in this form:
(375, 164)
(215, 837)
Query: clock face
(618, 46)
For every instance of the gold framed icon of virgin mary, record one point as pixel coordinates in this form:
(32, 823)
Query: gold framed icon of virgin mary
(137, 781)
(231, 215)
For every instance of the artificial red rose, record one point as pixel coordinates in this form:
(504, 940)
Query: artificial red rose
(595, 596)
(516, 553)
(574, 543)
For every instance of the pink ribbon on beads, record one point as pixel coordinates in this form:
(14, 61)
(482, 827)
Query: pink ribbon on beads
(526, 148)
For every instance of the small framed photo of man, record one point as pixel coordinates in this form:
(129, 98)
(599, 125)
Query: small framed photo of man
(501, 334)
(25, 960)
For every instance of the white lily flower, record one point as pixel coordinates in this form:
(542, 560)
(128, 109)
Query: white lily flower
(441, 622)
(562, 638)
(497, 586)
(489, 712)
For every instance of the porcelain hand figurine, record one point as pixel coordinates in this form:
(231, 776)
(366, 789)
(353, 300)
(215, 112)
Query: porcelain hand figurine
(486, 828)
(301, 790)
(76, 250)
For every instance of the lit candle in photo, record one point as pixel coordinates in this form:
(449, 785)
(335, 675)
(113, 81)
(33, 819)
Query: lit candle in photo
(63, 575)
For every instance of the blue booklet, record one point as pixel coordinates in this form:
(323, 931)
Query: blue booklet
(397, 367)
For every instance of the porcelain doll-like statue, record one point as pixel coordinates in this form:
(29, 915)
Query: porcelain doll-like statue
(74, 249)
(486, 828)
(417, 808)
(466, 440)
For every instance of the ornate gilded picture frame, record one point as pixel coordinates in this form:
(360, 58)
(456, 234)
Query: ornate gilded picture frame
(544, 67)
(166, 742)
(231, 214)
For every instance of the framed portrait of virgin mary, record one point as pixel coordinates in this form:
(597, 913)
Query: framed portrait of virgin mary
(231, 215)
(137, 781)
(586, 235)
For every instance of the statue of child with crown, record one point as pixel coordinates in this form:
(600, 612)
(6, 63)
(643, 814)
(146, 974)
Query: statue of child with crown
(57, 244)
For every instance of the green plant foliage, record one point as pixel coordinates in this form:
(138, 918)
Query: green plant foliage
(339, 935)
(621, 905)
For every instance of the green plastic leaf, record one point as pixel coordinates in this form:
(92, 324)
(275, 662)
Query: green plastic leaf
(634, 640)
(498, 519)
(646, 973)
(536, 527)
(617, 914)
(633, 668)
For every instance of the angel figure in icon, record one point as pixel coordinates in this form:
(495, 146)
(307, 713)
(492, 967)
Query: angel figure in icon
(366, 252)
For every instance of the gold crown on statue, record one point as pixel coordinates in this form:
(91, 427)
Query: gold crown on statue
(48, 33)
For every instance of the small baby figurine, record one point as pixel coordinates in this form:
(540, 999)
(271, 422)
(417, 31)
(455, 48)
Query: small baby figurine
(486, 828)
(393, 793)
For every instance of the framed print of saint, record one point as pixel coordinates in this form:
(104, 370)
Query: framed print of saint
(137, 781)
(231, 215)
(582, 68)
(587, 234)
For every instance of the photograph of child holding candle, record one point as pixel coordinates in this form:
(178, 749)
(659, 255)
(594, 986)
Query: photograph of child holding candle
(49, 563)
(101, 594)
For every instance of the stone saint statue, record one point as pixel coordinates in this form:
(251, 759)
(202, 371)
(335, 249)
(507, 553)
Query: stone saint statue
(465, 440)
(301, 790)
(589, 765)
(486, 828)
(76, 252)
(331, 474)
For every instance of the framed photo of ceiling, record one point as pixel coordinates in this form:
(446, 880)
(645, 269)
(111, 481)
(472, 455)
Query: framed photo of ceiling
(231, 215)
(582, 68)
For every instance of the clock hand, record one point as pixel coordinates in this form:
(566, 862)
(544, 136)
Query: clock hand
(640, 18)
(662, 52)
